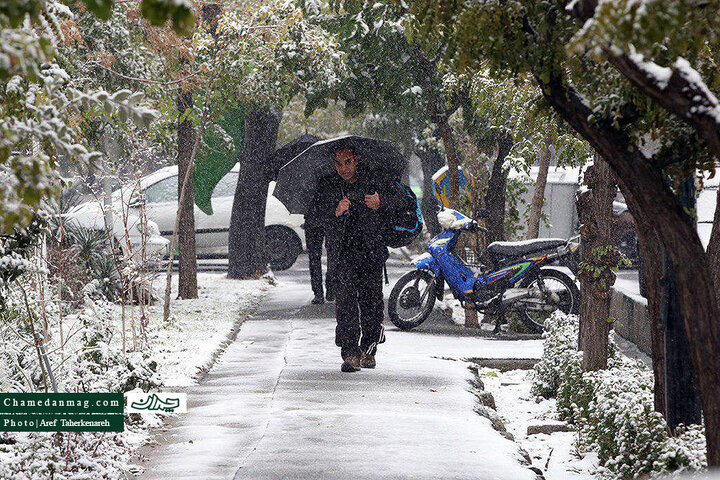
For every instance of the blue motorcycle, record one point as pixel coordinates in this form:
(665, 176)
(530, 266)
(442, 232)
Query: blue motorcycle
(519, 279)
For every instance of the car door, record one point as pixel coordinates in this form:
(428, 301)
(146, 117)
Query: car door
(212, 230)
(161, 204)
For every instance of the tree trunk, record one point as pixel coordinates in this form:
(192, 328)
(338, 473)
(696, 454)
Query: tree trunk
(682, 405)
(681, 396)
(651, 252)
(187, 260)
(495, 195)
(453, 162)
(431, 162)
(428, 78)
(594, 207)
(246, 243)
(656, 202)
(539, 196)
(713, 250)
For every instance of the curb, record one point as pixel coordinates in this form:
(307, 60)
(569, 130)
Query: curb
(485, 407)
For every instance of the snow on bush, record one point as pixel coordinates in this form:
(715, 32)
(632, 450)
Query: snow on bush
(559, 350)
(613, 409)
(93, 361)
(101, 365)
(61, 456)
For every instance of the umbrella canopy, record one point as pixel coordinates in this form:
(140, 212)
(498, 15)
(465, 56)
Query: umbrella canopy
(298, 179)
(289, 151)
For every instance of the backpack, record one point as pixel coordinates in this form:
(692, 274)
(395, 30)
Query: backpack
(404, 223)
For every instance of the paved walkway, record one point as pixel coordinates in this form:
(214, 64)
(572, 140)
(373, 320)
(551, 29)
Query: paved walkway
(276, 406)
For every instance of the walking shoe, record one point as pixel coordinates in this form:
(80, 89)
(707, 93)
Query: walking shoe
(330, 297)
(318, 300)
(367, 361)
(351, 364)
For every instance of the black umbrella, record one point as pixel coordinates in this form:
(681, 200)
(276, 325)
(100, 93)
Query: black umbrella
(289, 151)
(298, 179)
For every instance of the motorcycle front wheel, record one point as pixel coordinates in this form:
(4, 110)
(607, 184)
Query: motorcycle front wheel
(562, 294)
(412, 299)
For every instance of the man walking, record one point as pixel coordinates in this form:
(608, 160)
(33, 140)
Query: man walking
(359, 198)
(317, 229)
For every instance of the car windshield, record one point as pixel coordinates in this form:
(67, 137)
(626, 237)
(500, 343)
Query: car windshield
(163, 191)
(166, 190)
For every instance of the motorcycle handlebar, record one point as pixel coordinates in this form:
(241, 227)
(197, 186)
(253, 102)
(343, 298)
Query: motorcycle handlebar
(476, 227)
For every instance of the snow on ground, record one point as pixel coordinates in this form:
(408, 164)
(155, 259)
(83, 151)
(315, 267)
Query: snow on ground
(277, 406)
(555, 454)
(199, 328)
(196, 333)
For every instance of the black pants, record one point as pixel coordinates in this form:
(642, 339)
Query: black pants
(359, 306)
(314, 237)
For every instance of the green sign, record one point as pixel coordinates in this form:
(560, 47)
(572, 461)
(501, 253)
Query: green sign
(212, 164)
(61, 423)
(61, 403)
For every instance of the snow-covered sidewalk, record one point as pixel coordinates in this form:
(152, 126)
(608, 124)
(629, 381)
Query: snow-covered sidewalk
(198, 329)
(276, 405)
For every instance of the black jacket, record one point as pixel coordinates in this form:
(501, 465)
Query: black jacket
(360, 230)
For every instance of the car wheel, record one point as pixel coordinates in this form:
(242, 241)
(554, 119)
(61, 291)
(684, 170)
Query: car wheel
(283, 247)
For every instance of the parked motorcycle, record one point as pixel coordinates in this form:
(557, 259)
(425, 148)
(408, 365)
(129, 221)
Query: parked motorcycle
(520, 278)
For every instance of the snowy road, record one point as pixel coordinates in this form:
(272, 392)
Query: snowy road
(276, 406)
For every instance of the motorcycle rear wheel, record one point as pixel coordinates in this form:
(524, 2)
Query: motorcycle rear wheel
(409, 296)
(562, 285)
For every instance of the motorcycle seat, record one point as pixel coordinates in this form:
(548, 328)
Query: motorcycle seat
(524, 247)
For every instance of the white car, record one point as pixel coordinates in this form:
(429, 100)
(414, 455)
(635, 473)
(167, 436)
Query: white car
(285, 238)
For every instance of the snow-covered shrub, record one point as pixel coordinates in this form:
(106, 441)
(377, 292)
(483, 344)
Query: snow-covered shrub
(76, 255)
(16, 250)
(559, 351)
(573, 393)
(93, 361)
(619, 420)
(101, 364)
(683, 451)
(620, 423)
(64, 456)
(613, 409)
(22, 370)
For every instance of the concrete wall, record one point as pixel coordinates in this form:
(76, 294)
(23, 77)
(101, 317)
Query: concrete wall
(632, 320)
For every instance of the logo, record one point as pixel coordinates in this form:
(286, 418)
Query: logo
(141, 402)
(61, 412)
